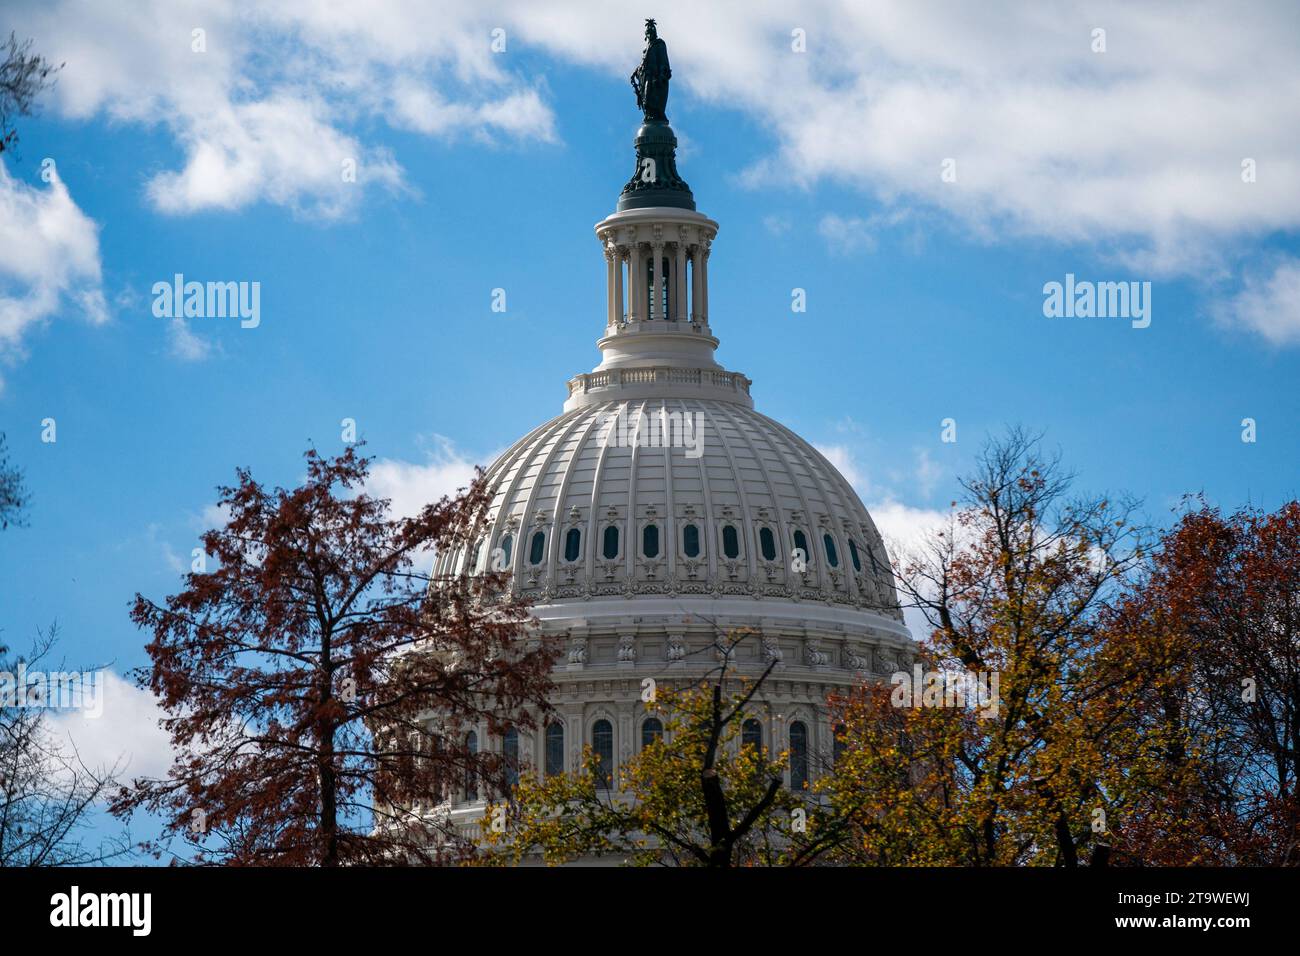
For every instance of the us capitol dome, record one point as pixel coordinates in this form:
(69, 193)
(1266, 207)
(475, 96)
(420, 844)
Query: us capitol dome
(660, 509)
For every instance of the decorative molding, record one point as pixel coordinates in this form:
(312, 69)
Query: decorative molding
(627, 648)
(772, 650)
(578, 651)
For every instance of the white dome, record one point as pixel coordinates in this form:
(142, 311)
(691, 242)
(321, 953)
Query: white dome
(587, 485)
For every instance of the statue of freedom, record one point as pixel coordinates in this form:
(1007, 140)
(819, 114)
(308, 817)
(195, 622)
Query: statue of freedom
(650, 79)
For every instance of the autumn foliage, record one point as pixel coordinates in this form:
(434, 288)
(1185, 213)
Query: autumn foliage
(693, 797)
(1148, 711)
(1219, 615)
(1145, 710)
(1016, 586)
(301, 674)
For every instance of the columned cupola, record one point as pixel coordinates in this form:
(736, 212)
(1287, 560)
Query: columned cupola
(657, 340)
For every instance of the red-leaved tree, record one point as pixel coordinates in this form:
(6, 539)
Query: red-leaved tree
(318, 681)
(1222, 605)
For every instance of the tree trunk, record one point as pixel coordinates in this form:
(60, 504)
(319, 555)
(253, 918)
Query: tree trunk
(1065, 843)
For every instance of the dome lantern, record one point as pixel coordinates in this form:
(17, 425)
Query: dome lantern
(657, 341)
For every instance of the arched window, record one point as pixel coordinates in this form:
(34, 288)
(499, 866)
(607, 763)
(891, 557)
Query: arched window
(751, 734)
(832, 557)
(472, 566)
(572, 544)
(510, 751)
(652, 729)
(853, 553)
(610, 549)
(839, 746)
(602, 742)
(537, 550)
(801, 544)
(730, 541)
(767, 544)
(554, 748)
(650, 541)
(507, 547)
(471, 777)
(798, 756)
(691, 541)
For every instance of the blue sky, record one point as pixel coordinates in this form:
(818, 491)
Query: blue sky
(482, 170)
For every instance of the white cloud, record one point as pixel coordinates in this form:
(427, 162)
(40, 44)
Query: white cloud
(901, 525)
(126, 733)
(155, 540)
(213, 516)
(1140, 145)
(846, 235)
(521, 114)
(1268, 304)
(187, 345)
(905, 529)
(928, 473)
(278, 149)
(49, 260)
(1136, 152)
(262, 113)
(841, 456)
(410, 486)
(776, 225)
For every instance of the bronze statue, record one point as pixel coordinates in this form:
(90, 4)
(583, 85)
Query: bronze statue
(650, 79)
(655, 182)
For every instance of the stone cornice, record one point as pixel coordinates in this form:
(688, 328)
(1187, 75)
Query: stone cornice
(659, 381)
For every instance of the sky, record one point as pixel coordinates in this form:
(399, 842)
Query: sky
(921, 171)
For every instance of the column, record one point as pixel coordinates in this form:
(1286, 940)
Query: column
(634, 277)
(611, 262)
(618, 284)
(704, 282)
(573, 731)
(657, 250)
(695, 283)
(642, 280)
(642, 284)
(679, 279)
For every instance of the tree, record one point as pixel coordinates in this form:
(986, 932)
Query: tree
(46, 790)
(1222, 602)
(1013, 590)
(23, 76)
(303, 677)
(13, 494)
(694, 797)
